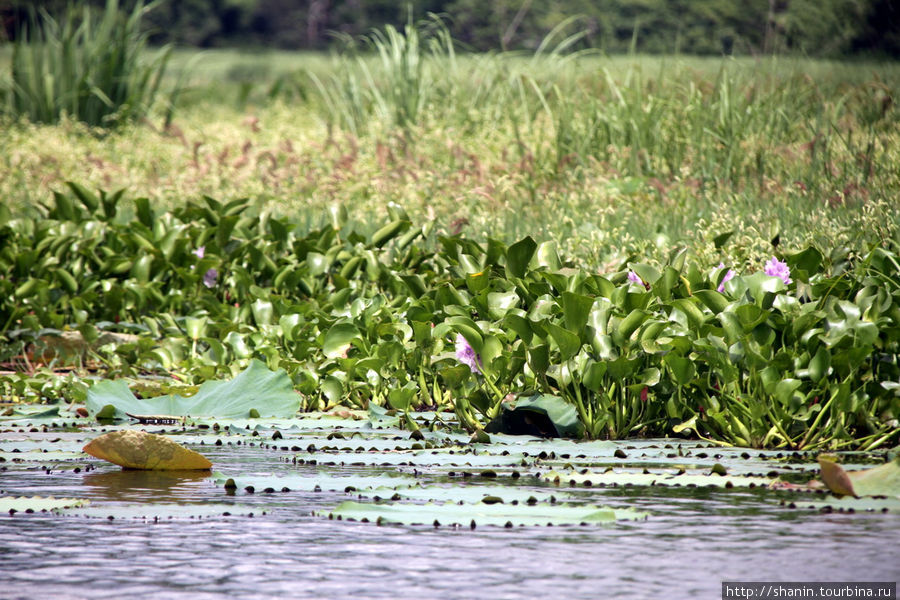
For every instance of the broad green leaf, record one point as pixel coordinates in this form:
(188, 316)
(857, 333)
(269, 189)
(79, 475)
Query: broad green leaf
(338, 339)
(567, 342)
(518, 256)
(257, 388)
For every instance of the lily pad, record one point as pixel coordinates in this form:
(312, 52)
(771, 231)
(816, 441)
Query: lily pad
(142, 450)
(495, 494)
(423, 458)
(17, 504)
(313, 483)
(890, 504)
(469, 515)
(159, 512)
(678, 478)
(257, 391)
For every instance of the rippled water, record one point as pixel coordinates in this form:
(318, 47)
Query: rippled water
(692, 541)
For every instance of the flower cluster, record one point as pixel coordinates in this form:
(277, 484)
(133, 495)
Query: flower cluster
(728, 276)
(776, 268)
(466, 354)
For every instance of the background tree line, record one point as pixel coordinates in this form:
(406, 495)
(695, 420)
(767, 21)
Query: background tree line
(825, 28)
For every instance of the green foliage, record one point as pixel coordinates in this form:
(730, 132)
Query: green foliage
(91, 69)
(365, 320)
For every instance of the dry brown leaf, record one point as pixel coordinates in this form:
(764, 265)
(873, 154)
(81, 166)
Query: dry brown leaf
(835, 477)
(147, 451)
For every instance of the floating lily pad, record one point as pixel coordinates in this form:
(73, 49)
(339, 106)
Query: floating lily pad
(40, 456)
(469, 515)
(313, 483)
(16, 504)
(268, 393)
(160, 512)
(879, 504)
(612, 478)
(472, 494)
(421, 458)
(142, 450)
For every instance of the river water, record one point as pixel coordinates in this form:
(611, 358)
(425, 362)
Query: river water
(692, 540)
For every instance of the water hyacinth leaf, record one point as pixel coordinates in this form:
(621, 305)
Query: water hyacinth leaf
(21, 504)
(520, 325)
(819, 364)
(681, 368)
(467, 515)
(146, 451)
(576, 309)
(547, 256)
(518, 256)
(270, 393)
(500, 303)
(538, 358)
(401, 398)
(477, 282)
(713, 300)
(338, 339)
(567, 342)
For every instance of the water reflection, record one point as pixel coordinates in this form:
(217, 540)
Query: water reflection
(129, 485)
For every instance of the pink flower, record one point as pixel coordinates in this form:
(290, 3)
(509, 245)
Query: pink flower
(634, 278)
(199, 252)
(466, 354)
(209, 279)
(728, 277)
(776, 268)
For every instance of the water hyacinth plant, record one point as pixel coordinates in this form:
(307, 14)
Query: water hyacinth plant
(777, 268)
(466, 355)
(729, 275)
(364, 320)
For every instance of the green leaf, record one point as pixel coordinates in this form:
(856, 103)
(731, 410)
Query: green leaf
(681, 368)
(568, 343)
(576, 309)
(518, 256)
(338, 339)
(270, 393)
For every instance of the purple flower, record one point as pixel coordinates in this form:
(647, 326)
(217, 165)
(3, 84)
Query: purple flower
(634, 278)
(466, 355)
(776, 268)
(199, 252)
(728, 277)
(209, 280)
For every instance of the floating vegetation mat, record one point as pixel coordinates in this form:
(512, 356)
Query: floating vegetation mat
(350, 469)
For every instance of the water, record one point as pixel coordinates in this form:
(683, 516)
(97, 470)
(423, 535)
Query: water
(692, 541)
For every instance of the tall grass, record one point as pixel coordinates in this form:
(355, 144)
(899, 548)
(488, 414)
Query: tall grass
(92, 68)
